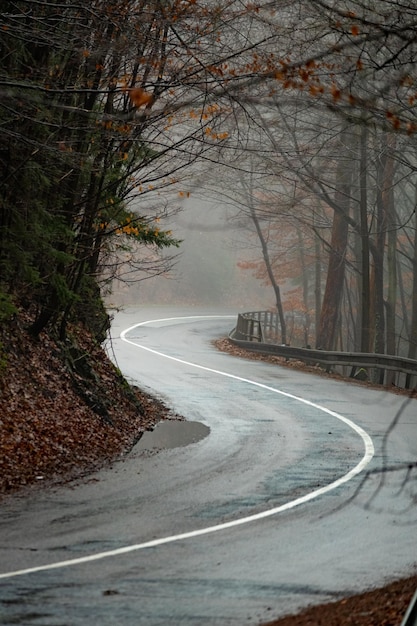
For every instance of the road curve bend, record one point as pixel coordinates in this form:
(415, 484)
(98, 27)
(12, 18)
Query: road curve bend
(285, 503)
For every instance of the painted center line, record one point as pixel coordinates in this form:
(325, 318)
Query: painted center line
(369, 452)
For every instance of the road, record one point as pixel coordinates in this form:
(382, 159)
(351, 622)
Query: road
(281, 505)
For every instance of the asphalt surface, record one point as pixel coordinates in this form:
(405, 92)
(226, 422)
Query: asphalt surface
(281, 500)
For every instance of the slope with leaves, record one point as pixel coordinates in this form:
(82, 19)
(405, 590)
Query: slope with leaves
(65, 409)
(385, 606)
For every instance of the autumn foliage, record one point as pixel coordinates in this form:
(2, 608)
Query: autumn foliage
(140, 97)
(107, 110)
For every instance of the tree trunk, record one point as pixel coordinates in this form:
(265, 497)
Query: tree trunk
(330, 310)
(305, 285)
(412, 346)
(377, 271)
(363, 207)
(392, 284)
(270, 272)
(317, 284)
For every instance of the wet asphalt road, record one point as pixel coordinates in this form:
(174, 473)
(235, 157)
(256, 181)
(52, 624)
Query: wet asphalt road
(264, 515)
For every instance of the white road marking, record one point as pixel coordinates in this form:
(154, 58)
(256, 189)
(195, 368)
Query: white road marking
(367, 457)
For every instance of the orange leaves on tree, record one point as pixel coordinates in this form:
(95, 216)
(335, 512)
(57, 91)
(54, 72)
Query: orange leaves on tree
(320, 79)
(129, 227)
(124, 129)
(280, 75)
(208, 113)
(316, 90)
(394, 119)
(213, 135)
(304, 74)
(299, 78)
(411, 128)
(309, 76)
(294, 301)
(336, 93)
(139, 97)
(133, 227)
(252, 7)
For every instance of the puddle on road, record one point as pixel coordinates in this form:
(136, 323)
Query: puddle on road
(173, 434)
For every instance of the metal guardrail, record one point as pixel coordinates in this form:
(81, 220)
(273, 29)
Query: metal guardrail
(249, 328)
(258, 326)
(249, 334)
(410, 618)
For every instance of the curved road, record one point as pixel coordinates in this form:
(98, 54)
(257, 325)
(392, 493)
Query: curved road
(281, 505)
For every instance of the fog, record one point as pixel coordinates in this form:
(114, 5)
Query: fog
(205, 270)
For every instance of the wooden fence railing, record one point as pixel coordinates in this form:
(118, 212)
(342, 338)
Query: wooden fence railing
(250, 332)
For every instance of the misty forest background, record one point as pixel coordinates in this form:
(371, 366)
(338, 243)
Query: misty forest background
(255, 154)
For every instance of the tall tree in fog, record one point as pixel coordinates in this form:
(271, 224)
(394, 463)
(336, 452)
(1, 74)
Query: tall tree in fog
(252, 210)
(329, 321)
(360, 69)
(102, 107)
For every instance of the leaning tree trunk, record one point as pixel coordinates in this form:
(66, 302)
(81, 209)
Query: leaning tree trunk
(270, 272)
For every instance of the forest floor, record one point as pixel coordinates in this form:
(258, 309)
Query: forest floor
(65, 411)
